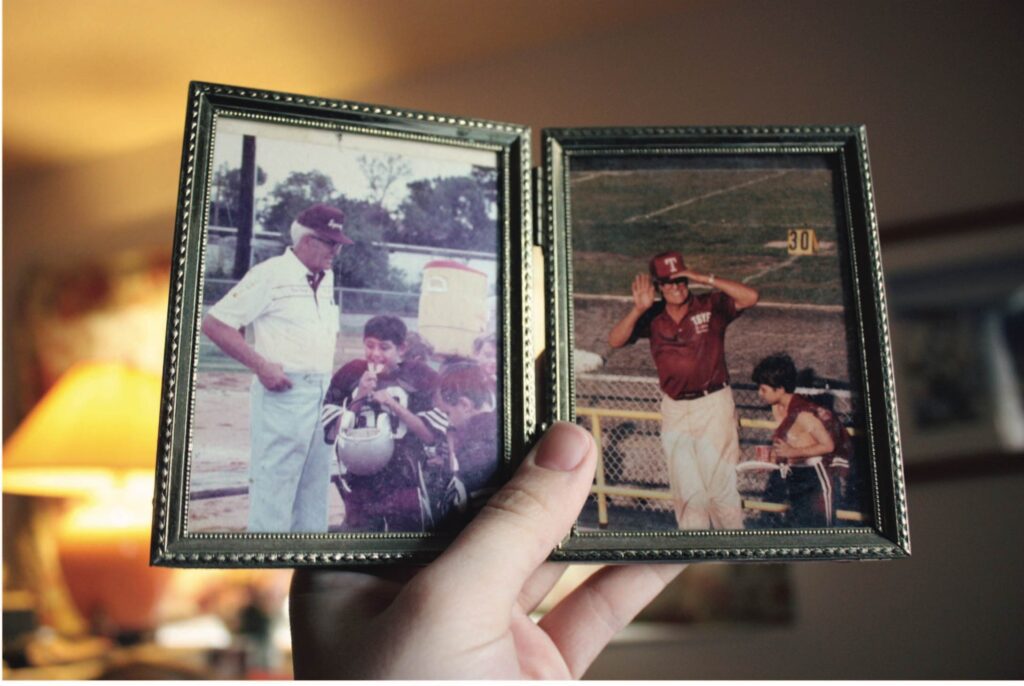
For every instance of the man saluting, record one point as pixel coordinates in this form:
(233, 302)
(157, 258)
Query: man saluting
(698, 415)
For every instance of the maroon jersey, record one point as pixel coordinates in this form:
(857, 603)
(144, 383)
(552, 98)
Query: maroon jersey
(689, 355)
(390, 498)
(476, 449)
(839, 458)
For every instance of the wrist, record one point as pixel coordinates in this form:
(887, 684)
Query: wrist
(711, 280)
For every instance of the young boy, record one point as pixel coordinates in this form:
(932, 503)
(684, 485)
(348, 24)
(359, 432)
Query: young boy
(464, 395)
(464, 476)
(390, 499)
(810, 443)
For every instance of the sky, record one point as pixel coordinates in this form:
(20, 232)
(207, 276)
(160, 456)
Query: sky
(283, 149)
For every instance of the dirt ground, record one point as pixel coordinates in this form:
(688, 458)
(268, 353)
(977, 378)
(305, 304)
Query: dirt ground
(219, 477)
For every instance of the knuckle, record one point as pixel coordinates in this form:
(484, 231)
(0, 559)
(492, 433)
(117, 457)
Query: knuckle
(518, 503)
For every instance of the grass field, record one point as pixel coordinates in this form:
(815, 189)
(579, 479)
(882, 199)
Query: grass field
(721, 220)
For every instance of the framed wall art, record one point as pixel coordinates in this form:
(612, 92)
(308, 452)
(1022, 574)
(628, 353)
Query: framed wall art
(959, 351)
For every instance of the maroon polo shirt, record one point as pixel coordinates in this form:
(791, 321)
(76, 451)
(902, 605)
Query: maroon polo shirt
(689, 355)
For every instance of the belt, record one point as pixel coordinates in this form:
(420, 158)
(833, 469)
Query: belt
(693, 395)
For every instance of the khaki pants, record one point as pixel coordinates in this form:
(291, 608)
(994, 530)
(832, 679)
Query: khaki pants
(702, 447)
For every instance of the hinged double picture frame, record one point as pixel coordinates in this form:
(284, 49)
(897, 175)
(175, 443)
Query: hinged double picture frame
(375, 313)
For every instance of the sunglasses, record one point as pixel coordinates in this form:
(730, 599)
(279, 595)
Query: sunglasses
(331, 245)
(679, 280)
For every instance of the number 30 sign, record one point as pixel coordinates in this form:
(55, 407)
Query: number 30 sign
(802, 242)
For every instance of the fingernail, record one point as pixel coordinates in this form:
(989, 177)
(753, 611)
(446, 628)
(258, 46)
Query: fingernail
(563, 448)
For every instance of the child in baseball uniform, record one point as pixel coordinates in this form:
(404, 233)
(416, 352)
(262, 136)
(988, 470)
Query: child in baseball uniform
(810, 444)
(390, 499)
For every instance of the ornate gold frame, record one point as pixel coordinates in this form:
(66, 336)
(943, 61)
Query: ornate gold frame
(888, 536)
(172, 543)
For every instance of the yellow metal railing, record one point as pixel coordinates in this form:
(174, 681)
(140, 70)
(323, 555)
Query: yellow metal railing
(603, 490)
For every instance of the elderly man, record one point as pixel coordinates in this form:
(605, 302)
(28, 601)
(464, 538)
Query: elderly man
(289, 300)
(698, 415)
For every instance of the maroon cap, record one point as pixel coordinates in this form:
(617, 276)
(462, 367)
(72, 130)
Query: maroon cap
(667, 265)
(326, 221)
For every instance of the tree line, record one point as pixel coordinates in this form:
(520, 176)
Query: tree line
(456, 212)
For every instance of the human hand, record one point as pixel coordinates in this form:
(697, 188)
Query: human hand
(643, 292)
(467, 614)
(367, 383)
(384, 398)
(272, 376)
(780, 451)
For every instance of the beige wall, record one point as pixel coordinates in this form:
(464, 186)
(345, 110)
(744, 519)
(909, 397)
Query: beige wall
(951, 611)
(936, 83)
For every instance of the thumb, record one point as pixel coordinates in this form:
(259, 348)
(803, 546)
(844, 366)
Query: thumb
(521, 524)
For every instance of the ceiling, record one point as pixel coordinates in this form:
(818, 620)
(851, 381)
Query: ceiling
(93, 78)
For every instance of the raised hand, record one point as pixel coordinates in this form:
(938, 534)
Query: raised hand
(643, 292)
(367, 384)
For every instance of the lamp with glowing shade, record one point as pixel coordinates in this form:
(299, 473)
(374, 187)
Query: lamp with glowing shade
(92, 440)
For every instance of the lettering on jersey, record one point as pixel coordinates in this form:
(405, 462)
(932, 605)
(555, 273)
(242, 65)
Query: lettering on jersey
(701, 321)
(402, 398)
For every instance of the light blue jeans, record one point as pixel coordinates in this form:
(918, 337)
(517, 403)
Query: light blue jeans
(289, 468)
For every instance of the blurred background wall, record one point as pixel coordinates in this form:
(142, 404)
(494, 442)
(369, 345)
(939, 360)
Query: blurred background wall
(94, 103)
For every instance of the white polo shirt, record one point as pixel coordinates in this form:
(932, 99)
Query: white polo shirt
(293, 325)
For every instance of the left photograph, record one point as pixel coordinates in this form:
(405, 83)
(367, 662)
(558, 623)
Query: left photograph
(345, 328)
(351, 362)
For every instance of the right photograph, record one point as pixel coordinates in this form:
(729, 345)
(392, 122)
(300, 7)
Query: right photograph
(713, 355)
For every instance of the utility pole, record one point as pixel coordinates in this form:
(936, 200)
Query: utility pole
(246, 202)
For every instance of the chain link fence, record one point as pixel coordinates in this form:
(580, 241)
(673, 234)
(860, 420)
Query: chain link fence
(623, 413)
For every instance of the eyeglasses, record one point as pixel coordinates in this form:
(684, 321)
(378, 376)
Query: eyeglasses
(331, 245)
(679, 280)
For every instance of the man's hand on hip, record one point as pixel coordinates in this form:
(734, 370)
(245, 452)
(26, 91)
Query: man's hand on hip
(272, 376)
